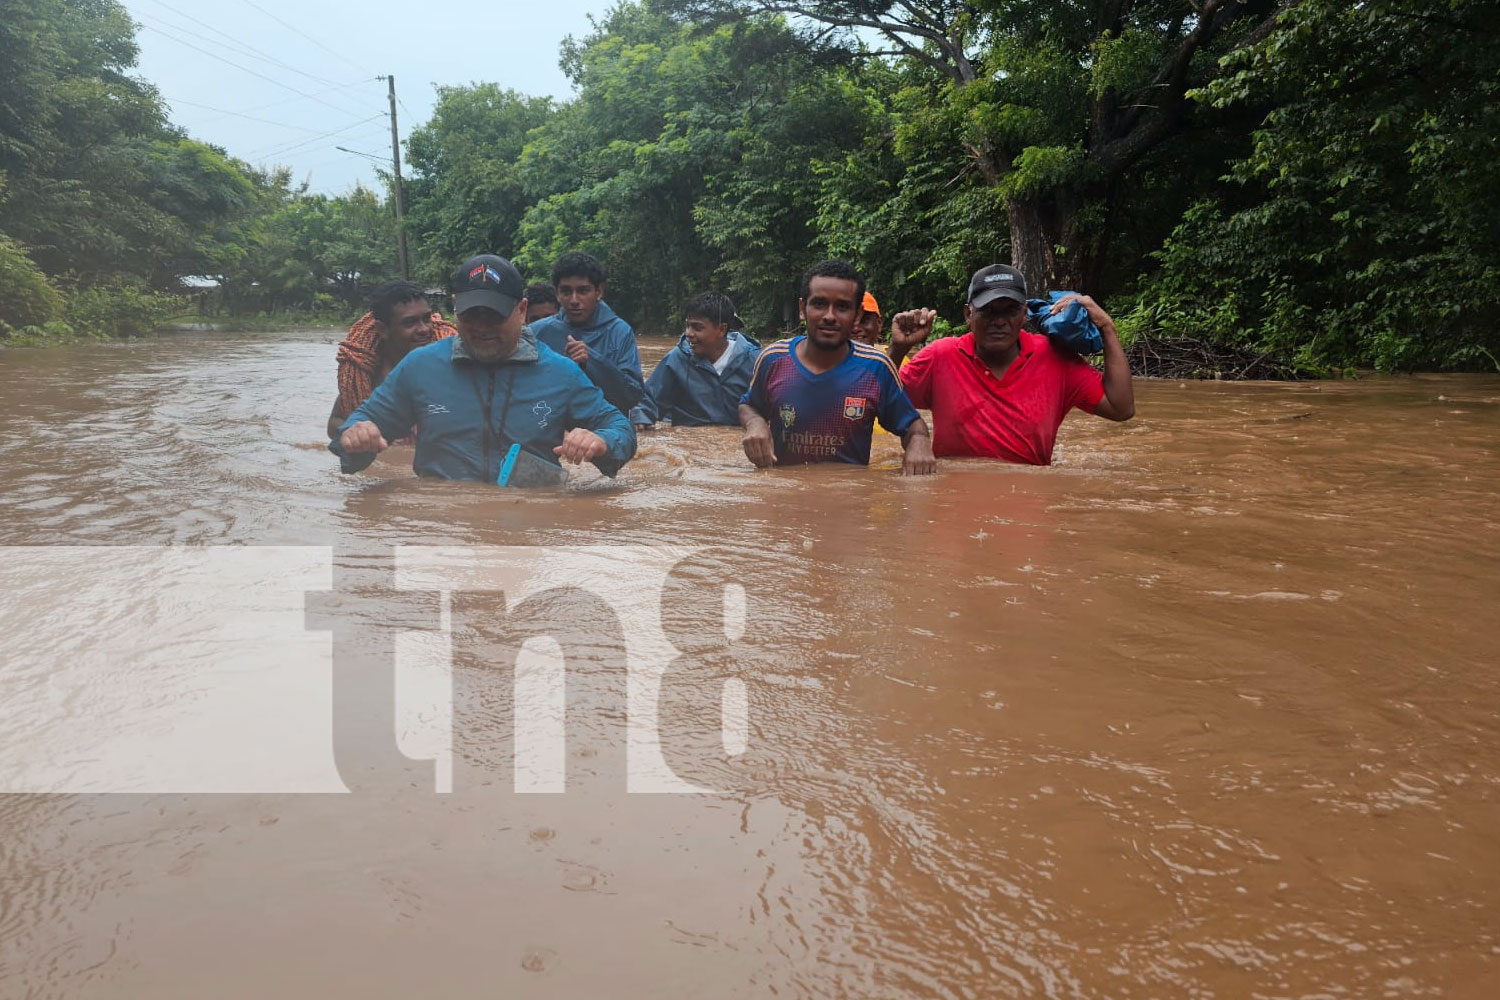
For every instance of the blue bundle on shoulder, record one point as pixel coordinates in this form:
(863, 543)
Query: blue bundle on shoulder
(1070, 326)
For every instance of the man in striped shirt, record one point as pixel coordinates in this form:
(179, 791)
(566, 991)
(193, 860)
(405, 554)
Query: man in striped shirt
(816, 397)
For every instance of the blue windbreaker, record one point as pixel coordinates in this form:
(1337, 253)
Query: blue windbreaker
(689, 391)
(614, 363)
(468, 413)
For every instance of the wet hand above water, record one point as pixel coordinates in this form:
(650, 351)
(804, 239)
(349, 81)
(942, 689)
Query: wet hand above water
(759, 447)
(581, 445)
(919, 459)
(362, 438)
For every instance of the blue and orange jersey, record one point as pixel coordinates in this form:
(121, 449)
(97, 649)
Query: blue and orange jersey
(827, 417)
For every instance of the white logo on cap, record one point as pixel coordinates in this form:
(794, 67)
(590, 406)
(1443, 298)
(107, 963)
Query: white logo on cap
(991, 279)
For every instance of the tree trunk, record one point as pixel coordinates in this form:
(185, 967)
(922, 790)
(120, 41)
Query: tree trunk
(1030, 247)
(1086, 234)
(1055, 242)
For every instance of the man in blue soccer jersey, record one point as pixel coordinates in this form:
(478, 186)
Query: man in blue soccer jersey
(815, 398)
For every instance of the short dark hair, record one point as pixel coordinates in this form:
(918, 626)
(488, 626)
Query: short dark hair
(841, 269)
(576, 264)
(716, 307)
(541, 293)
(392, 294)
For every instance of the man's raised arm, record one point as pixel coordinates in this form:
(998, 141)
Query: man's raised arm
(1119, 392)
(909, 330)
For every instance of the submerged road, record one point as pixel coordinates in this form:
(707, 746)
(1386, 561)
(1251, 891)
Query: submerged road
(1211, 708)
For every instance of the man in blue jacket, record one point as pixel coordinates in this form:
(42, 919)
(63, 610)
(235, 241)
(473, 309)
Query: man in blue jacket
(473, 396)
(588, 331)
(701, 382)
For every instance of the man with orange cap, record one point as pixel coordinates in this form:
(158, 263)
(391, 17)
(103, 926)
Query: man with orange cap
(870, 323)
(868, 329)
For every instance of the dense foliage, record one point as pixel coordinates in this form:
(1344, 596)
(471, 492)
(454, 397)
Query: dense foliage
(1309, 180)
(1363, 224)
(105, 207)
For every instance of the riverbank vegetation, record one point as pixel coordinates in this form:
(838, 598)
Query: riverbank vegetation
(1306, 184)
(106, 207)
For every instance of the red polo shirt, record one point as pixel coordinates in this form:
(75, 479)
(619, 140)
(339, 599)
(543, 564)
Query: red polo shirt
(1014, 418)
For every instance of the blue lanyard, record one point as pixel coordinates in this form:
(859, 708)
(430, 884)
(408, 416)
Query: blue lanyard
(485, 405)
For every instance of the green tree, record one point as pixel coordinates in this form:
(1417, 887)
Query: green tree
(76, 136)
(26, 298)
(689, 160)
(909, 206)
(1363, 226)
(792, 114)
(359, 246)
(94, 183)
(257, 247)
(465, 195)
(615, 173)
(195, 195)
(1056, 103)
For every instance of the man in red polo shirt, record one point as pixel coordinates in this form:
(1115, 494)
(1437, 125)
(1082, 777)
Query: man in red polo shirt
(999, 391)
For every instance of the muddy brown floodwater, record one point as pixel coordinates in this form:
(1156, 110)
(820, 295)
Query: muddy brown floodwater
(1208, 709)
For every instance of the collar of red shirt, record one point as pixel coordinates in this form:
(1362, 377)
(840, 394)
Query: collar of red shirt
(1027, 343)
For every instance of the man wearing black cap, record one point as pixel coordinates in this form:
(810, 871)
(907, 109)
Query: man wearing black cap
(491, 400)
(999, 391)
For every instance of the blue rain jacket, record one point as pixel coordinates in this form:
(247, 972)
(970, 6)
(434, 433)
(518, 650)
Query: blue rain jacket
(468, 413)
(1070, 328)
(688, 391)
(614, 363)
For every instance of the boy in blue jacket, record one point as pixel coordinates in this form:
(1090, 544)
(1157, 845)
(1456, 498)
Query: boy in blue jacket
(702, 380)
(588, 331)
(473, 396)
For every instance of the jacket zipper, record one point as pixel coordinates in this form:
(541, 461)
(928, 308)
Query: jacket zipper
(489, 418)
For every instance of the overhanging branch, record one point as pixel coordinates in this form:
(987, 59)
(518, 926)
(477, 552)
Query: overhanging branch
(1143, 126)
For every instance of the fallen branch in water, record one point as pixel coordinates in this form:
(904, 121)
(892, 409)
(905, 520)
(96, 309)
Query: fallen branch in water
(1188, 357)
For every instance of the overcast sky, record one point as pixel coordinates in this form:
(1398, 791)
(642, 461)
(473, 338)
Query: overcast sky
(288, 81)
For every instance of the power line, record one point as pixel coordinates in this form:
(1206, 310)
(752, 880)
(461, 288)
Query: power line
(282, 149)
(243, 48)
(244, 69)
(290, 100)
(279, 146)
(298, 31)
(236, 114)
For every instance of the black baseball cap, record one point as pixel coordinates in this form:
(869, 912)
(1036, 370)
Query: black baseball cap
(998, 281)
(488, 281)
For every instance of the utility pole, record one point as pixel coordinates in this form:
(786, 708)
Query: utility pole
(396, 163)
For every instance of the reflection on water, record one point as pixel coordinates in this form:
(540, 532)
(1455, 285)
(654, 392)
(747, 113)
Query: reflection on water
(1197, 712)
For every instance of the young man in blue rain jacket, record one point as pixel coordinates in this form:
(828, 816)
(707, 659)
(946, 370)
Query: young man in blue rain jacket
(702, 380)
(588, 331)
(472, 396)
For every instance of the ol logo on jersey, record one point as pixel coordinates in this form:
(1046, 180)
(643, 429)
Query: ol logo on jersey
(854, 407)
(788, 414)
